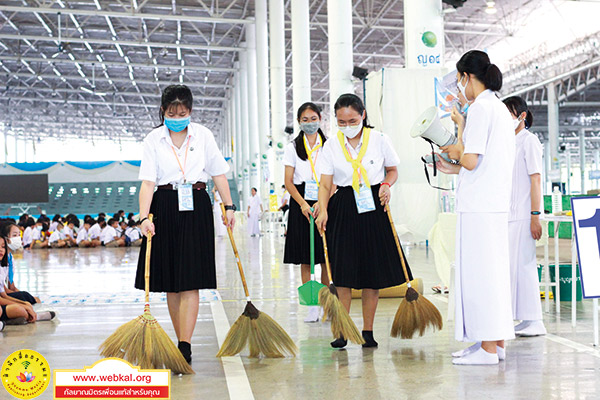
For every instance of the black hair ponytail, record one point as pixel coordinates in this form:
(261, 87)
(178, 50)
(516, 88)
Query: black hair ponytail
(478, 63)
(354, 102)
(299, 140)
(517, 106)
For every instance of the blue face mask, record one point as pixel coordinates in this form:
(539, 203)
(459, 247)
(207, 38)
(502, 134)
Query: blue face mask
(177, 124)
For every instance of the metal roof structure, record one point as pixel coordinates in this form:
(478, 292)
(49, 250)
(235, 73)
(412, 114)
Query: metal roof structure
(94, 68)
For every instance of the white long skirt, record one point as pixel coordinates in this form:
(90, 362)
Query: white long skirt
(482, 278)
(526, 303)
(253, 227)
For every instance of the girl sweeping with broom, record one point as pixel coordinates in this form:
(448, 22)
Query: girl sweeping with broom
(302, 175)
(362, 249)
(179, 157)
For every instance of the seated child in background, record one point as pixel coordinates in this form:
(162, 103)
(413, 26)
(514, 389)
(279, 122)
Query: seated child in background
(83, 238)
(96, 230)
(55, 220)
(58, 239)
(69, 230)
(14, 310)
(110, 237)
(121, 228)
(134, 234)
(40, 240)
(29, 225)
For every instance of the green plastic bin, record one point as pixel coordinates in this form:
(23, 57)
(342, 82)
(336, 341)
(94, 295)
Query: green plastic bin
(565, 282)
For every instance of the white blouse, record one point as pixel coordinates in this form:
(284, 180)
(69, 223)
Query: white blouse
(528, 161)
(82, 235)
(490, 133)
(302, 168)
(159, 164)
(379, 155)
(28, 236)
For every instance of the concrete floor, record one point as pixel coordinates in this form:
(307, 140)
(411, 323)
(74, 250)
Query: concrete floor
(561, 365)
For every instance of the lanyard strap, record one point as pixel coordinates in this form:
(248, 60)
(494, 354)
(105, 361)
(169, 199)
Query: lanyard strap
(309, 154)
(358, 169)
(187, 146)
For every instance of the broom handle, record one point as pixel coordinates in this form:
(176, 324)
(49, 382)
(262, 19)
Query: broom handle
(312, 247)
(147, 271)
(327, 258)
(389, 213)
(235, 251)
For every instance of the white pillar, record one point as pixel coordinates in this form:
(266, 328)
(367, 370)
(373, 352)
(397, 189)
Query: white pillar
(568, 155)
(546, 189)
(253, 107)
(582, 158)
(239, 141)
(278, 95)
(245, 124)
(339, 30)
(301, 84)
(597, 164)
(262, 75)
(553, 132)
(423, 34)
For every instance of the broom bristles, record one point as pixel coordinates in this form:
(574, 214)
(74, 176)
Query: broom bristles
(415, 313)
(341, 322)
(143, 342)
(262, 334)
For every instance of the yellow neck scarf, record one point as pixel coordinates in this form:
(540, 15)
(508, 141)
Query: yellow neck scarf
(357, 167)
(309, 153)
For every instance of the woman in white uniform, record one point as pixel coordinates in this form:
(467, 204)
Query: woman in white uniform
(178, 159)
(255, 209)
(302, 176)
(362, 163)
(524, 222)
(220, 228)
(486, 153)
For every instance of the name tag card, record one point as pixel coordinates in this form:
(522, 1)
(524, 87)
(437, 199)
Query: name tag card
(185, 197)
(311, 191)
(364, 199)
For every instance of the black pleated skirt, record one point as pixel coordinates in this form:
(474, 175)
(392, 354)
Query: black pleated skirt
(297, 241)
(183, 249)
(362, 249)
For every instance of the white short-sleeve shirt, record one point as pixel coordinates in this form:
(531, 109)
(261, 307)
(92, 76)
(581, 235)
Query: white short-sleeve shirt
(82, 235)
(133, 234)
(56, 236)
(68, 231)
(3, 277)
(28, 236)
(490, 133)
(108, 234)
(159, 164)
(528, 161)
(36, 234)
(302, 168)
(379, 155)
(94, 232)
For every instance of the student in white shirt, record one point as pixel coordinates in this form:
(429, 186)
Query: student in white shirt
(255, 209)
(95, 231)
(57, 238)
(362, 163)
(486, 152)
(110, 237)
(55, 220)
(179, 153)
(12, 310)
(133, 234)
(28, 233)
(39, 235)
(69, 233)
(302, 176)
(524, 225)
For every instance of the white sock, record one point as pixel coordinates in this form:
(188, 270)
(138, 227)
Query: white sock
(313, 314)
(45, 315)
(468, 350)
(524, 324)
(479, 357)
(501, 353)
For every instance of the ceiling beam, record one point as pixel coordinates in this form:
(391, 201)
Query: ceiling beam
(111, 42)
(131, 14)
(116, 64)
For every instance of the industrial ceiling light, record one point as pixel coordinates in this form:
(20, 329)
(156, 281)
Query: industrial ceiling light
(491, 7)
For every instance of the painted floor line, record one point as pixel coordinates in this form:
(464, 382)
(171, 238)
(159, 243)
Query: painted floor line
(235, 373)
(574, 345)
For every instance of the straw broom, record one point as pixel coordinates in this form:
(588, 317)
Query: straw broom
(415, 312)
(142, 341)
(341, 323)
(254, 327)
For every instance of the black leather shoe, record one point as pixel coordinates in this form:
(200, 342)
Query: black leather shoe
(186, 351)
(339, 343)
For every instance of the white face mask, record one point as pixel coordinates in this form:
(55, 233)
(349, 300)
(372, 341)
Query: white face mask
(517, 122)
(15, 243)
(350, 131)
(463, 88)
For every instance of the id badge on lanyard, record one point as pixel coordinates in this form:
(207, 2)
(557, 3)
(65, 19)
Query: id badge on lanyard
(311, 190)
(185, 196)
(364, 199)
